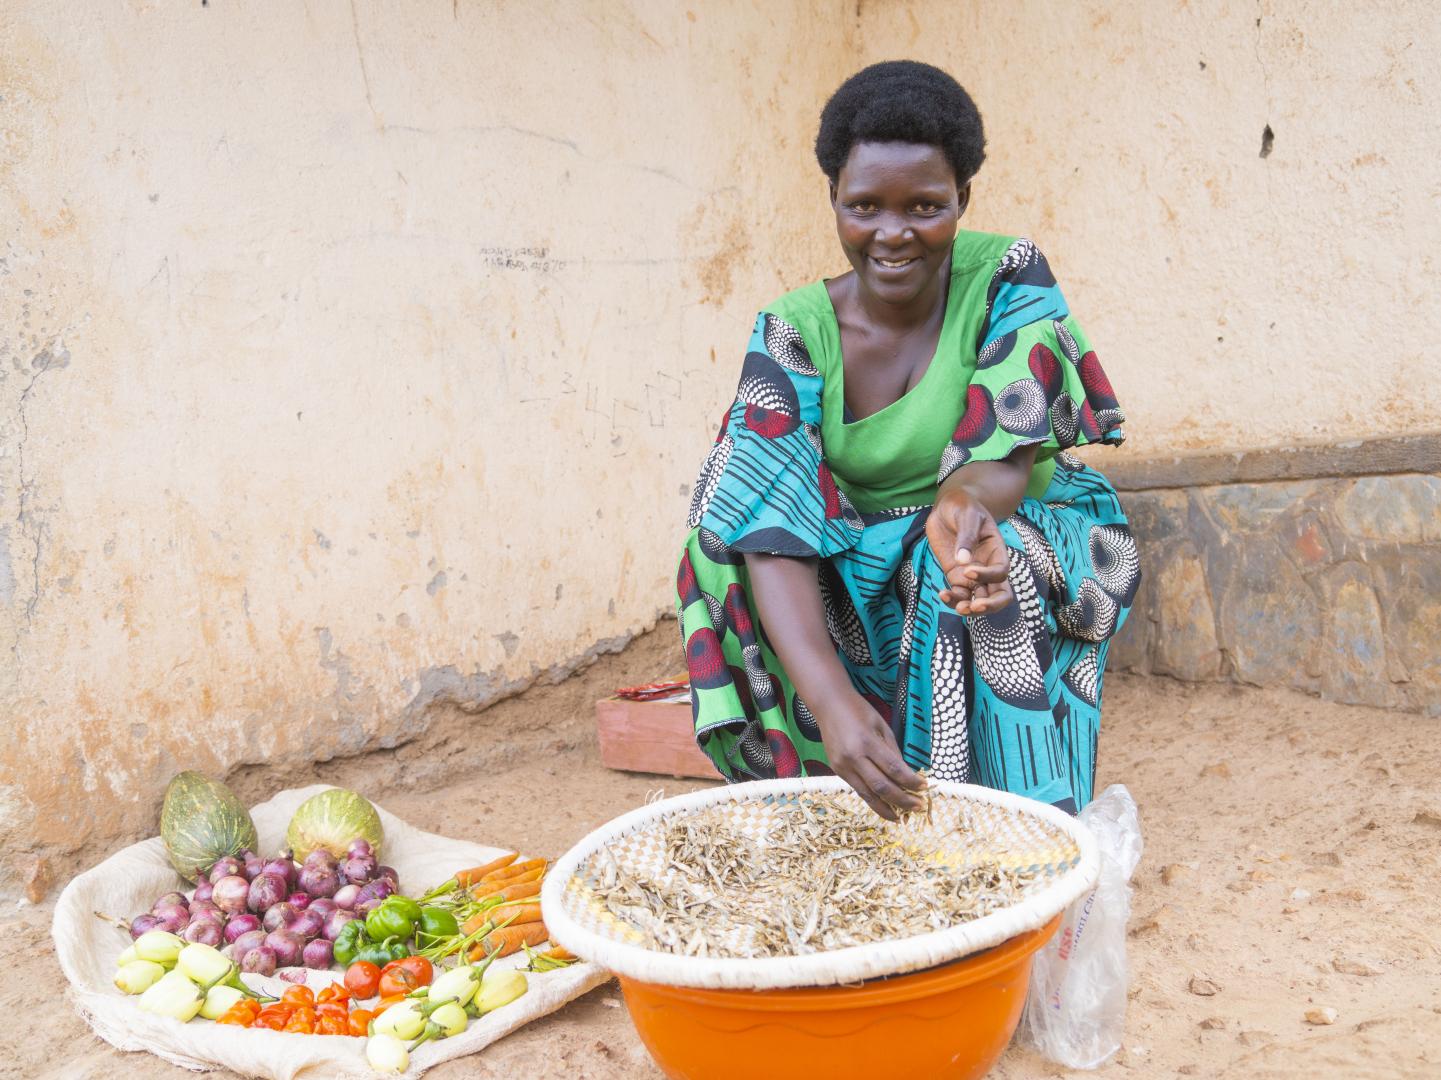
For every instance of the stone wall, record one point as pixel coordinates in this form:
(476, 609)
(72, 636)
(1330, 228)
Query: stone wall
(1330, 585)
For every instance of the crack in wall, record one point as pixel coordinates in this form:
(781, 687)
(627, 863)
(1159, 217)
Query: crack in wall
(33, 529)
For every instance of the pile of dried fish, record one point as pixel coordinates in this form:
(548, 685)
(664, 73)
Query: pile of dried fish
(830, 874)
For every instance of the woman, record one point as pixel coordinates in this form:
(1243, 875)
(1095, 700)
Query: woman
(891, 564)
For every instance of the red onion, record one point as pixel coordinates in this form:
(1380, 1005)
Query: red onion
(226, 867)
(284, 867)
(292, 975)
(203, 931)
(322, 857)
(358, 869)
(286, 944)
(253, 864)
(299, 900)
(378, 889)
(250, 939)
(323, 906)
(389, 872)
(266, 891)
(279, 916)
(320, 880)
(231, 894)
(172, 917)
(202, 890)
(335, 922)
(170, 899)
(359, 846)
(260, 960)
(143, 924)
(205, 907)
(346, 895)
(308, 924)
(318, 954)
(241, 924)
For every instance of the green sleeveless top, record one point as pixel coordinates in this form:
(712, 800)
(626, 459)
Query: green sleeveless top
(891, 458)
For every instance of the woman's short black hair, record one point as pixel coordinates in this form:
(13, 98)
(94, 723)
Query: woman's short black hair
(902, 101)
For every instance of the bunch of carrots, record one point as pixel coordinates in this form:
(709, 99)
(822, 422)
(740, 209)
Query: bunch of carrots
(497, 906)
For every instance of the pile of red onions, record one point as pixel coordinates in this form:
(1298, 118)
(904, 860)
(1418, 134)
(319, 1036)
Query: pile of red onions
(271, 914)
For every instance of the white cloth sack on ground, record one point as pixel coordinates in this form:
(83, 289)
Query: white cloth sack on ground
(130, 881)
(1076, 1008)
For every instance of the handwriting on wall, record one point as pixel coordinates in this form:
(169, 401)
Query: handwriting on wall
(534, 259)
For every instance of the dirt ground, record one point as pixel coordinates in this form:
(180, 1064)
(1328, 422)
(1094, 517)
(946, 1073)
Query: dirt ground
(1293, 854)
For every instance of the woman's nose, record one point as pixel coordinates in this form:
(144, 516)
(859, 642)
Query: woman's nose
(893, 230)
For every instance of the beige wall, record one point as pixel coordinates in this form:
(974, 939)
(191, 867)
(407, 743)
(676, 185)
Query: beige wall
(1236, 301)
(358, 356)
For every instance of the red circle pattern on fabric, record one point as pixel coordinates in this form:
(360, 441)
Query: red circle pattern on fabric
(1046, 369)
(768, 422)
(704, 659)
(979, 419)
(1093, 378)
(783, 753)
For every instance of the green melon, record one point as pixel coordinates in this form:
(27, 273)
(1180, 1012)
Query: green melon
(201, 821)
(331, 819)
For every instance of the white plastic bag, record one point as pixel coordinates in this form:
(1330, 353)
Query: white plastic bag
(1076, 1009)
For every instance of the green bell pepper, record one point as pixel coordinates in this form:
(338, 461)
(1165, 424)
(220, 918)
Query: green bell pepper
(391, 920)
(349, 941)
(383, 952)
(436, 923)
(404, 904)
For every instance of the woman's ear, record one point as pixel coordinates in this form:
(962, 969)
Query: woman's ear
(963, 199)
(832, 187)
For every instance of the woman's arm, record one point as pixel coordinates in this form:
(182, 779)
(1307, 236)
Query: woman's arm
(963, 534)
(859, 744)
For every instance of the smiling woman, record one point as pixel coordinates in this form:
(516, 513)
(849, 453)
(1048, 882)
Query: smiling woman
(892, 564)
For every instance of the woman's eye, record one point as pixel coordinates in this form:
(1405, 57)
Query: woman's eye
(927, 208)
(863, 207)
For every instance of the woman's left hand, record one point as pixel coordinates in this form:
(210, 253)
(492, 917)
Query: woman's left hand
(971, 553)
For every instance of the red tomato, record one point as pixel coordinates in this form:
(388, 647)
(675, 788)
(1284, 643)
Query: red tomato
(403, 976)
(362, 978)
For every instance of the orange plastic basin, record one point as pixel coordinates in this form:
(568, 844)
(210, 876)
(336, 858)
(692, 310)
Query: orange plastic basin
(952, 1021)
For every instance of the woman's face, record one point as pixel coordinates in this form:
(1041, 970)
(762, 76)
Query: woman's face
(897, 206)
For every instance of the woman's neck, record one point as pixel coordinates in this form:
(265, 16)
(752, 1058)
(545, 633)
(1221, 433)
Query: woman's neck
(921, 311)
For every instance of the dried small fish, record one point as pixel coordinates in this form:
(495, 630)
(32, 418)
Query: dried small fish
(828, 874)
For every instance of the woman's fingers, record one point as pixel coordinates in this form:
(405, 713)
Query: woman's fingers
(895, 798)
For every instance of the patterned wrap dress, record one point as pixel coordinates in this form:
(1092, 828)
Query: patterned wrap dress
(1010, 700)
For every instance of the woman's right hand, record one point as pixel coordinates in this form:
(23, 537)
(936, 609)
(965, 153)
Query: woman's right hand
(863, 752)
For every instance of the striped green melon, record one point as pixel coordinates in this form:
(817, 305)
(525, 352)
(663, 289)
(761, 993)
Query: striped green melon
(201, 821)
(331, 819)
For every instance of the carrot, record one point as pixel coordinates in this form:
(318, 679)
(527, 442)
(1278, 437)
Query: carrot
(513, 869)
(559, 953)
(510, 939)
(514, 914)
(488, 888)
(514, 892)
(475, 873)
(474, 923)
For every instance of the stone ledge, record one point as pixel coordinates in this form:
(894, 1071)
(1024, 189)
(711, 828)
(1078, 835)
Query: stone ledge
(1328, 585)
(1364, 457)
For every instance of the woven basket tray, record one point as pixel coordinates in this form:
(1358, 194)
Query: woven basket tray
(967, 825)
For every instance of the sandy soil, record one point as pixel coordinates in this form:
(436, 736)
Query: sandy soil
(1293, 850)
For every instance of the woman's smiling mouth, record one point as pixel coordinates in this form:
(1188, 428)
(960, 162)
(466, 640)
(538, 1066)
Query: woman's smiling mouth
(894, 264)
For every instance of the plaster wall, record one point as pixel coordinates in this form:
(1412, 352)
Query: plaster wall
(1237, 301)
(356, 361)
